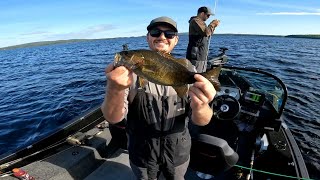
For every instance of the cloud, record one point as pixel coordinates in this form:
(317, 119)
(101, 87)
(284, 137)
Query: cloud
(88, 32)
(35, 33)
(291, 14)
(99, 28)
(301, 6)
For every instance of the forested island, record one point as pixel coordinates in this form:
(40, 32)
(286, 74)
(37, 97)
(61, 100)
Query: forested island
(43, 43)
(311, 36)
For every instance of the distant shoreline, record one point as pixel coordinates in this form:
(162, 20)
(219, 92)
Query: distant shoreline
(44, 43)
(310, 36)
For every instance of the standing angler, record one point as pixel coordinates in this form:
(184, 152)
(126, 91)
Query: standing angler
(199, 33)
(157, 118)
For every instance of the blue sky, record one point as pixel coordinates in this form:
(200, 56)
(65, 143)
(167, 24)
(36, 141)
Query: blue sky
(24, 21)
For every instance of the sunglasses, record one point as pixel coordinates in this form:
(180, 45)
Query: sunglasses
(208, 15)
(157, 32)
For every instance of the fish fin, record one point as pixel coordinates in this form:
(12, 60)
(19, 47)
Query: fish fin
(186, 63)
(182, 91)
(212, 75)
(182, 61)
(142, 82)
(166, 55)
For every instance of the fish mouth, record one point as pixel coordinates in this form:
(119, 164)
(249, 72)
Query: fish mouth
(117, 58)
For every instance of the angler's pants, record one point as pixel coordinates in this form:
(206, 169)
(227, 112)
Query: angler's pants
(141, 173)
(201, 66)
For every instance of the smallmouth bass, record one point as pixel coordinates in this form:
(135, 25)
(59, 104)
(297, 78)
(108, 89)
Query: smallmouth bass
(162, 68)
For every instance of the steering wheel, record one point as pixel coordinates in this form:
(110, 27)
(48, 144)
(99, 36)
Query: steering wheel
(225, 107)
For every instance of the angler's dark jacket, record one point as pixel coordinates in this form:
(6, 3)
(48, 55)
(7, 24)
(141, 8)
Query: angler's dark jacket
(199, 34)
(157, 129)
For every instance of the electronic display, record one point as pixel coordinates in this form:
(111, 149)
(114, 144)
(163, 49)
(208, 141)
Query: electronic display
(253, 97)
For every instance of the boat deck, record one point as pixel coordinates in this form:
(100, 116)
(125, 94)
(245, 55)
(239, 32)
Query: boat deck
(93, 161)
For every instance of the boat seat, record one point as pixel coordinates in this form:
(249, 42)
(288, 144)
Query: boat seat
(211, 155)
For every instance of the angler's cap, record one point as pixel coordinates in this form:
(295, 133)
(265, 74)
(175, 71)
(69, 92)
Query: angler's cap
(163, 20)
(205, 10)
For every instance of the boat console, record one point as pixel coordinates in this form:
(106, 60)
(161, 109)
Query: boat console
(245, 102)
(246, 109)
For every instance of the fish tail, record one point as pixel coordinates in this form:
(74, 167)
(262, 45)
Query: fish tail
(212, 75)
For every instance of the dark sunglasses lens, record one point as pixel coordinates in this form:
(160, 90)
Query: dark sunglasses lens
(169, 34)
(157, 32)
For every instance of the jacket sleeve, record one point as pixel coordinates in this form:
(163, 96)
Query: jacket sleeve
(201, 27)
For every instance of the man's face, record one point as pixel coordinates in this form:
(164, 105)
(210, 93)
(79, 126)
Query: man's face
(158, 41)
(205, 16)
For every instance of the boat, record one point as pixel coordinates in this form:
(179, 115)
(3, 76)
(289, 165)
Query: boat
(247, 138)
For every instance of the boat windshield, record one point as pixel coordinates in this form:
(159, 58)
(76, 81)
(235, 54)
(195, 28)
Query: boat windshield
(261, 82)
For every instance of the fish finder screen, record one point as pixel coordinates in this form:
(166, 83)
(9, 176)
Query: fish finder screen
(253, 97)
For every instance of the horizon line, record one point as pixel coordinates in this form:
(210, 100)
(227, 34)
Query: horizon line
(84, 39)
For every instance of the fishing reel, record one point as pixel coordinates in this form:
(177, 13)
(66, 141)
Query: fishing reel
(221, 59)
(125, 47)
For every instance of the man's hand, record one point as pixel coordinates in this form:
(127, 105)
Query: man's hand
(214, 23)
(201, 93)
(118, 78)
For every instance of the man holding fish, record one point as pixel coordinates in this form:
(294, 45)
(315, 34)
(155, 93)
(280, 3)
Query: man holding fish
(150, 90)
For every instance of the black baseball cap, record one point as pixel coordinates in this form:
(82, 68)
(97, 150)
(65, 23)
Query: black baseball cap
(205, 10)
(163, 20)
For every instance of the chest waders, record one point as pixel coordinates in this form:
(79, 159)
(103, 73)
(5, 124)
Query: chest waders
(159, 139)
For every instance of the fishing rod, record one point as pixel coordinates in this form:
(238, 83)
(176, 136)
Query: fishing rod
(214, 13)
(214, 9)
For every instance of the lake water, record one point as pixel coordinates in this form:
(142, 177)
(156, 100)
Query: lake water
(43, 87)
